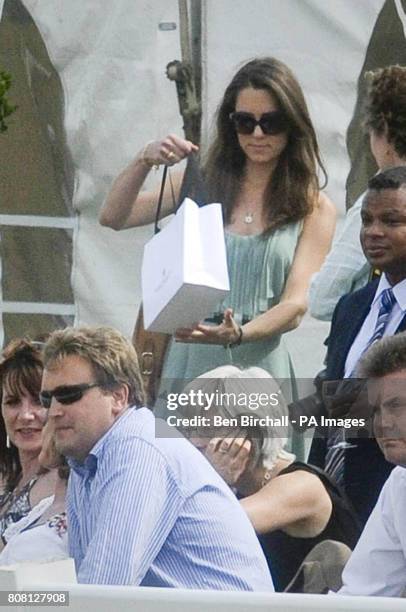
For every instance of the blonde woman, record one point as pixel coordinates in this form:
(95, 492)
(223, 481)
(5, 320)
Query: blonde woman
(292, 505)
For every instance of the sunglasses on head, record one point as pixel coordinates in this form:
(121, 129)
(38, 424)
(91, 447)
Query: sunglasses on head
(65, 395)
(271, 123)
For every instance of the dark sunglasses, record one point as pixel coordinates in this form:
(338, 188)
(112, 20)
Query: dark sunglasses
(270, 123)
(65, 395)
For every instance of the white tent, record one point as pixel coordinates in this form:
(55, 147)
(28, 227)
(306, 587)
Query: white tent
(109, 60)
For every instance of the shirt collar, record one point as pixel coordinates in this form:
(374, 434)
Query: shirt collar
(399, 291)
(89, 467)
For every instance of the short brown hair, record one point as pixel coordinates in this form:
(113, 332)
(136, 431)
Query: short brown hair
(111, 355)
(386, 105)
(384, 357)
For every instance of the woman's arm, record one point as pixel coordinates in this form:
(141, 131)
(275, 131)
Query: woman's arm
(313, 245)
(125, 206)
(297, 502)
(297, 499)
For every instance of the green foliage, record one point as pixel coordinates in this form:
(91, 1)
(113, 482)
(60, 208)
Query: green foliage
(6, 109)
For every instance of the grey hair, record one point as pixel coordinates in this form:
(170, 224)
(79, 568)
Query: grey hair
(230, 381)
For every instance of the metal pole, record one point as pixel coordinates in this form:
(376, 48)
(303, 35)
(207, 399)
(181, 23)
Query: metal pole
(186, 74)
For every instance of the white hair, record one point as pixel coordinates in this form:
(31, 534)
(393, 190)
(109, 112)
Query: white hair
(230, 381)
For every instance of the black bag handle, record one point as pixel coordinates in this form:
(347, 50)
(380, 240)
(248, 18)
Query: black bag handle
(160, 198)
(193, 186)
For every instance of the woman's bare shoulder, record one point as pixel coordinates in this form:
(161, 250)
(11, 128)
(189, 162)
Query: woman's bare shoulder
(322, 216)
(324, 204)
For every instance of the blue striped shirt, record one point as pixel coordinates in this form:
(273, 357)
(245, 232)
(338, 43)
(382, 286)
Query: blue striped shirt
(151, 511)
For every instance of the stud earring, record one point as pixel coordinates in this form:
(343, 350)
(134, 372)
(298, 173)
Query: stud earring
(8, 443)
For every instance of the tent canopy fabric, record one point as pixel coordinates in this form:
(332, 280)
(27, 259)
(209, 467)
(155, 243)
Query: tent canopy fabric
(89, 80)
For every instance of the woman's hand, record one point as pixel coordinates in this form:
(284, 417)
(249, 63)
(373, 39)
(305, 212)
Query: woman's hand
(126, 206)
(226, 333)
(169, 151)
(229, 457)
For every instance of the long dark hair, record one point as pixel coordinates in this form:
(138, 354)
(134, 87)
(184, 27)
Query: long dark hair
(21, 368)
(294, 187)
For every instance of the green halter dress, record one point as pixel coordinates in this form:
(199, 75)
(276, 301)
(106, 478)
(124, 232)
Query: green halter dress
(258, 267)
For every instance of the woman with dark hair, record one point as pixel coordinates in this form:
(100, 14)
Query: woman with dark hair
(263, 167)
(41, 535)
(23, 482)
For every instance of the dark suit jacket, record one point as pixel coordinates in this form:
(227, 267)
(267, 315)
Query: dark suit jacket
(365, 469)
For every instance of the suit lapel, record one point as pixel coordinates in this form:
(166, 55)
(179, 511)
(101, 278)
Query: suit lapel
(360, 307)
(359, 310)
(402, 325)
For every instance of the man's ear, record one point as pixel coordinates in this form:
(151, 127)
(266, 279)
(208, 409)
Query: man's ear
(120, 396)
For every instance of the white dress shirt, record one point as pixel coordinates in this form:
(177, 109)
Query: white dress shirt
(368, 327)
(377, 565)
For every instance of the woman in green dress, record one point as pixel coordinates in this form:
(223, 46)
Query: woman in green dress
(263, 166)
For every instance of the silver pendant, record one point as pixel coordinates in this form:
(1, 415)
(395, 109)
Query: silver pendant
(248, 218)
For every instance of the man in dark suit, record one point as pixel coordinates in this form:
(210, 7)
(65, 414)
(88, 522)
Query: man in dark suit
(360, 319)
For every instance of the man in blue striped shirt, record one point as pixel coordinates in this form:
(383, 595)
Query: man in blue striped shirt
(142, 510)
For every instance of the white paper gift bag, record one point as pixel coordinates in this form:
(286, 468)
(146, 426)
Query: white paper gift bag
(184, 268)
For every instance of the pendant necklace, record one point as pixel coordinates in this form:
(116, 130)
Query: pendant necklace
(249, 217)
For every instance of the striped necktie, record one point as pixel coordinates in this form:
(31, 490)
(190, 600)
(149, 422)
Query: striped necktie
(388, 301)
(336, 444)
